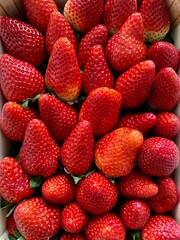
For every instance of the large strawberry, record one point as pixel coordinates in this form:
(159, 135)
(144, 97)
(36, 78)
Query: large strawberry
(63, 74)
(101, 108)
(39, 153)
(19, 80)
(135, 84)
(126, 48)
(37, 219)
(115, 153)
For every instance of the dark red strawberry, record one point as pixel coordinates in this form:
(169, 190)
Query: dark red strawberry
(72, 236)
(11, 225)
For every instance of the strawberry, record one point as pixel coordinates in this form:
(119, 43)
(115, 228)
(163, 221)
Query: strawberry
(158, 157)
(39, 153)
(59, 189)
(97, 73)
(59, 117)
(19, 80)
(135, 84)
(38, 12)
(11, 225)
(106, 226)
(77, 151)
(115, 153)
(137, 185)
(116, 13)
(83, 15)
(72, 236)
(135, 213)
(63, 74)
(161, 227)
(139, 121)
(156, 23)
(96, 193)
(58, 27)
(168, 125)
(37, 219)
(164, 54)
(73, 218)
(101, 108)
(17, 187)
(167, 197)
(96, 36)
(126, 48)
(165, 91)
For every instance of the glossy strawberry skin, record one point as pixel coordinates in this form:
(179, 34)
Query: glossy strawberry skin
(28, 80)
(72, 236)
(14, 181)
(11, 225)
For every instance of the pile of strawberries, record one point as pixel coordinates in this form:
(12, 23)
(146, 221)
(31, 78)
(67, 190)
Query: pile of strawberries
(89, 111)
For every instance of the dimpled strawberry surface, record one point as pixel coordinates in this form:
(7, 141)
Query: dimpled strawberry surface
(90, 94)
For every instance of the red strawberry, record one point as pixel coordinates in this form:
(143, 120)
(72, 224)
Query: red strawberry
(19, 80)
(38, 12)
(37, 219)
(14, 120)
(14, 182)
(167, 197)
(135, 84)
(137, 185)
(106, 226)
(11, 225)
(96, 193)
(161, 227)
(165, 91)
(63, 74)
(158, 157)
(83, 15)
(77, 151)
(74, 218)
(59, 117)
(72, 236)
(115, 153)
(58, 27)
(139, 121)
(135, 213)
(156, 23)
(126, 48)
(59, 189)
(101, 108)
(39, 153)
(96, 36)
(97, 73)
(164, 54)
(116, 13)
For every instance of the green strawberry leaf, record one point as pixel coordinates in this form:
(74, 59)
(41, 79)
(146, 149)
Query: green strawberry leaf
(17, 234)
(35, 98)
(136, 235)
(11, 210)
(11, 237)
(54, 237)
(25, 104)
(36, 181)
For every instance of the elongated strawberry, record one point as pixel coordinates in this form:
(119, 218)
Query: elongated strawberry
(39, 153)
(72, 236)
(135, 84)
(19, 80)
(126, 48)
(63, 74)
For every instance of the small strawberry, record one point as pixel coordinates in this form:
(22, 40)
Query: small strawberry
(101, 108)
(37, 219)
(77, 151)
(72, 236)
(39, 153)
(96, 36)
(158, 157)
(106, 226)
(137, 185)
(156, 23)
(14, 181)
(19, 80)
(59, 189)
(96, 193)
(63, 74)
(135, 84)
(11, 225)
(97, 73)
(126, 48)
(135, 213)
(83, 15)
(73, 218)
(116, 13)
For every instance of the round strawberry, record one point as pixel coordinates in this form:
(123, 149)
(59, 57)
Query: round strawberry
(72, 236)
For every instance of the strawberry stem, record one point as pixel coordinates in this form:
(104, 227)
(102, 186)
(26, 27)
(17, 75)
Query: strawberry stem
(136, 235)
